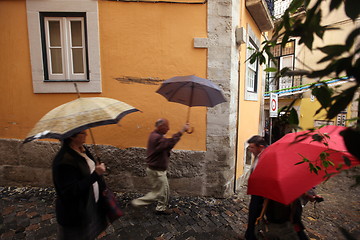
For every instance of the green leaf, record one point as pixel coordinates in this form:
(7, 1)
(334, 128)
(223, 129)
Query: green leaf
(293, 117)
(342, 64)
(331, 163)
(339, 167)
(324, 156)
(341, 102)
(309, 41)
(317, 137)
(270, 69)
(262, 58)
(351, 37)
(313, 168)
(299, 163)
(323, 95)
(347, 161)
(336, 49)
(352, 9)
(335, 4)
(325, 164)
(295, 4)
(326, 58)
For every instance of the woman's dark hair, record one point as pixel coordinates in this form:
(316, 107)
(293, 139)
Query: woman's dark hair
(67, 141)
(257, 140)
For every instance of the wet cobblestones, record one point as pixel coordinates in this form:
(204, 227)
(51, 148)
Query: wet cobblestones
(28, 213)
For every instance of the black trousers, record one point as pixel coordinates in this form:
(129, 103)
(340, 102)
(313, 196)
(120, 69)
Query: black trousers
(255, 207)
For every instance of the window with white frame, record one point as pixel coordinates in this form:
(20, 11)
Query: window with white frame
(64, 46)
(283, 58)
(252, 69)
(60, 50)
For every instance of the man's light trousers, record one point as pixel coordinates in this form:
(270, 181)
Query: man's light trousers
(159, 193)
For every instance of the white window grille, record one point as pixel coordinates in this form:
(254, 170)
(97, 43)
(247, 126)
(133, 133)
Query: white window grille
(65, 48)
(72, 55)
(286, 61)
(251, 73)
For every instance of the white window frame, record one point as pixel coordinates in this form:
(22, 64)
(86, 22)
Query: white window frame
(272, 83)
(66, 49)
(92, 83)
(285, 81)
(251, 85)
(252, 70)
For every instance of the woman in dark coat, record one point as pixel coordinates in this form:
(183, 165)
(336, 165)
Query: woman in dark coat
(78, 183)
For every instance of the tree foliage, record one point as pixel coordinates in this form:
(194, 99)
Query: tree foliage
(338, 59)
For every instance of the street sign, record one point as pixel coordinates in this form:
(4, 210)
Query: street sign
(273, 105)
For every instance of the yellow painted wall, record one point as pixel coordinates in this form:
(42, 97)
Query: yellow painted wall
(307, 111)
(249, 111)
(143, 40)
(308, 59)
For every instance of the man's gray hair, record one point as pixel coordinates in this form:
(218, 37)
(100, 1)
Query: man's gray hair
(159, 122)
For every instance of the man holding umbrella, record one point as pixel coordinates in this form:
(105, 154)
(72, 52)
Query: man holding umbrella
(158, 153)
(256, 145)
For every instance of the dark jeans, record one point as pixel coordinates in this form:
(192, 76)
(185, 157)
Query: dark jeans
(255, 207)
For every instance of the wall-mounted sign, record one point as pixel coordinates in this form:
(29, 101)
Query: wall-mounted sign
(274, 105)
(318, 123)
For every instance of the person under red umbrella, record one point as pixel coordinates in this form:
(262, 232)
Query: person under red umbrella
(257, 144)
(299, 161)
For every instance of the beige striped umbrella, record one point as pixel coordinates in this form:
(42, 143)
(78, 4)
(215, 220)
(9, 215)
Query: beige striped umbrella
(78, 115)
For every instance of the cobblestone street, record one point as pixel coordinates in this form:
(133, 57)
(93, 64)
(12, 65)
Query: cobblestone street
(28, 213)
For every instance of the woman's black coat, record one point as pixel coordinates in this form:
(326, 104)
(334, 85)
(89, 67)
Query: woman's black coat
(75, 203)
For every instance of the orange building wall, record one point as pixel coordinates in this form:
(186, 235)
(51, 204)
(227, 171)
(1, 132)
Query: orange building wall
(142, 40)
(249, 111)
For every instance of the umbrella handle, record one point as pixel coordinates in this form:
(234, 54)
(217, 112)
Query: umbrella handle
(190, 131)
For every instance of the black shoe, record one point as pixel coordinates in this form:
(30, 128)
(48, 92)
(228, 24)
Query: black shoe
(166, 212)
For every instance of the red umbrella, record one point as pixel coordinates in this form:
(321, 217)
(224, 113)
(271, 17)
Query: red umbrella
(278, 176)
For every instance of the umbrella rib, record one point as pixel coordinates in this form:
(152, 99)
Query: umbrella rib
(178, 89)
(208, 96)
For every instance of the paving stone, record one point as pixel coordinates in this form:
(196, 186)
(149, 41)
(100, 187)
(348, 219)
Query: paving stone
(33, 227)
(8, 210)
(28, 213)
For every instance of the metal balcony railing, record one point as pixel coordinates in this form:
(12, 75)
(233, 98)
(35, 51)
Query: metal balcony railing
(283, 83)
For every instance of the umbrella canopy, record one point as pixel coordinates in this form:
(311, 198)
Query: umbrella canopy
(78, 115)
(191, 91)
(277, 176)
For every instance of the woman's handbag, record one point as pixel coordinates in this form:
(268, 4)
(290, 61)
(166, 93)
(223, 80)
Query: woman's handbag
(111, 205)
(265, 230)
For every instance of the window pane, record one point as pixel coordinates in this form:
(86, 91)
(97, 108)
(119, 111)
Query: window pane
(251, 76)
(56, 60)
(78, 63)
(289, 48)
(249, 53)
(76, 34)
(54, 30)
(287, 61)
(285, 82)
(276, 50)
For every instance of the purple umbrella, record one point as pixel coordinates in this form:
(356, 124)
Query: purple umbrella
(191, 91)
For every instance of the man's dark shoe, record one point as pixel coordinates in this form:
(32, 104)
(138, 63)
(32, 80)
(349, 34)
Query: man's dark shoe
(166, 212)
